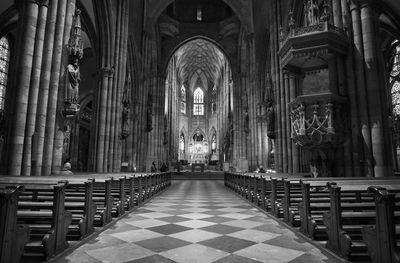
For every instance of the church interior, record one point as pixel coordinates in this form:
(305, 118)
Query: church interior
(199, 131)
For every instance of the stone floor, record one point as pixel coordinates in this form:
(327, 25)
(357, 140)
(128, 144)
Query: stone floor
(197, 221)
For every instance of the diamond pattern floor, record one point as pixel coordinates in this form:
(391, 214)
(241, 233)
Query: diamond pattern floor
(197, 221)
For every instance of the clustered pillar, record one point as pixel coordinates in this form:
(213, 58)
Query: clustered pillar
(111, 79)
(43, 30)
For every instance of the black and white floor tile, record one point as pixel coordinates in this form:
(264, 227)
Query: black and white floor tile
(197, 221)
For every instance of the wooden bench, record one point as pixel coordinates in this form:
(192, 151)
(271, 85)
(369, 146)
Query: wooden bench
(316, 200)
(78, 200)
(346, 218)
(383, 238)
(13, 236)
(48, 224)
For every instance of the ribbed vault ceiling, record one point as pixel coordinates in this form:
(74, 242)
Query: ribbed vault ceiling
(199, 56)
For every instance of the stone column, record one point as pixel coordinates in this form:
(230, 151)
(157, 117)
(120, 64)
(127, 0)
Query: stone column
(287, 121)
(352, 93)
(123, 61)
(295, 149)
(54, 84)
(44, 83)
(29, 11)
(364, 141)
(337, 13)
(374, 87)
(105, 74)
(34, 91)
(284, 81)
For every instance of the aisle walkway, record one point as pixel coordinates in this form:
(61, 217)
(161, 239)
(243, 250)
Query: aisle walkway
(197, 221)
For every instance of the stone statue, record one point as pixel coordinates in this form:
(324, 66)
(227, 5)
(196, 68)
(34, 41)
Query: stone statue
(149, 114)
(270, 120)
(246, 121)
(214, 143)
(73, 79)
(198, 137)
(312, 13)
(125, 111)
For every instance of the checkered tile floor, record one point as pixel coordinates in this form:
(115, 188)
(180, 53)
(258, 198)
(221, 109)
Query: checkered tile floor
(197, 221)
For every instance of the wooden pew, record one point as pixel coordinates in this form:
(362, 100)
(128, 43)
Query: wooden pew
(13, 236)
(382, 239)
(316, 200)
(78, 200)
(346, 218)
(48, 224)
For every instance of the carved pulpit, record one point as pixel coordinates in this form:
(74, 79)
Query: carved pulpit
(311, 53)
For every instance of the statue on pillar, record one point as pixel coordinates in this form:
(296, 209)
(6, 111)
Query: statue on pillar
(149, 114)
(72, 74)
(125, 130)
(270, 120)
(72, 83)
(246, 121)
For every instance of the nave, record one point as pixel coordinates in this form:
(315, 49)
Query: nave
(197, 221)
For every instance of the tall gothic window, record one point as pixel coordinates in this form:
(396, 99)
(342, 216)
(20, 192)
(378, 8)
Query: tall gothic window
(394, 84)
(198, 103)
(4, 62)
(199, 14)
(183, 100)
(214, 100)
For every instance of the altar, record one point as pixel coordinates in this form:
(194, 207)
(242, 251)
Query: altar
(201, 165)
(198, 152)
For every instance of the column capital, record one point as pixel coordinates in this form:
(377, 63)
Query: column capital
(354, 4)
(369, 3)
(19, 3)
(106, 72)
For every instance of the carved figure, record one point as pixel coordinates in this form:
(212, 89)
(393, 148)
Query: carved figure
(214, 143)
(312, 13)
(270, 120)
(72, 85)
(246, 121)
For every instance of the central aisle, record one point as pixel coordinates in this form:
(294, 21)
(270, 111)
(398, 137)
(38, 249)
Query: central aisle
(197, 221)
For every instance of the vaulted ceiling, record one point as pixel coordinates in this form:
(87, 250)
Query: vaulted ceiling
(199, 56)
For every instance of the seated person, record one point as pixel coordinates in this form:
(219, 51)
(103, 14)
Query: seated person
(164, 167)
(153, 167)
(261, 169)
(66, 170)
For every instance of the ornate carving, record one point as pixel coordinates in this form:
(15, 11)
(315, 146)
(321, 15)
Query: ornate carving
(311, 13)
(314, 124)
(270, 120)
(149, 113)
(125, 130)
(313, 131)
(75, 49)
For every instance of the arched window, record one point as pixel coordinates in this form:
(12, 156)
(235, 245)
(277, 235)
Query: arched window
(395, 81)
(183, 100)
(394, 84)
(214, 100)
(4, 63)
(198, 103)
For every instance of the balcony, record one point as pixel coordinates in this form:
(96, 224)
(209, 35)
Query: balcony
(311, 47)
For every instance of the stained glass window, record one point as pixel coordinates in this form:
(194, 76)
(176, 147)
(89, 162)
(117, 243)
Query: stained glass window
(183, 100)
(4, 62)
(395, 82)
(198, 106)
(183, 107)
(183, 93)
